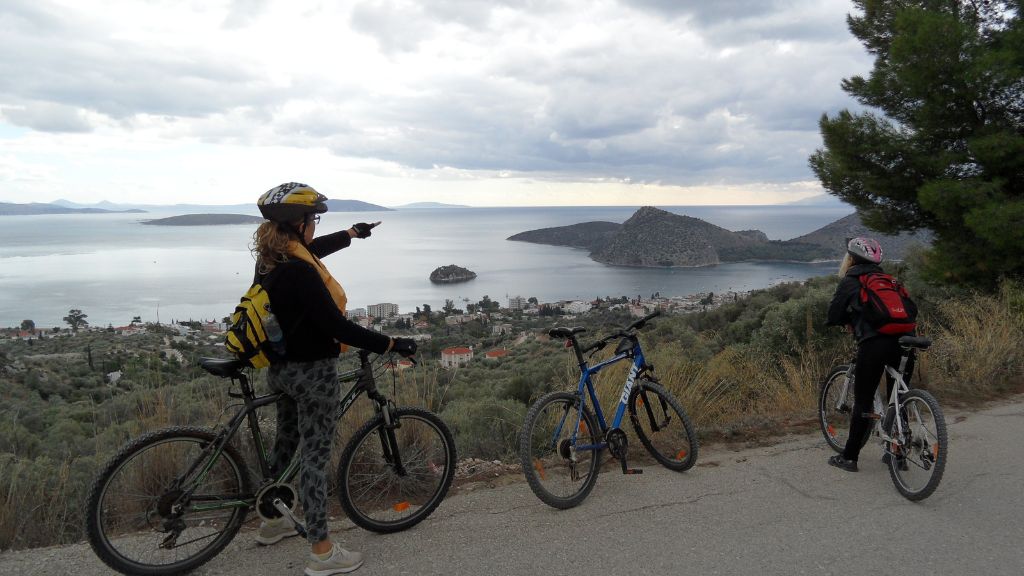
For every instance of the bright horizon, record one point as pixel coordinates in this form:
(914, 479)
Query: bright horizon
(566, 103)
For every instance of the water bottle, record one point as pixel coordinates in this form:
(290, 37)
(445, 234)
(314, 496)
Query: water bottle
(274, 334)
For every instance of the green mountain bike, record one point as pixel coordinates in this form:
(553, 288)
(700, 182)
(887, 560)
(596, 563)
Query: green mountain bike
(172, 499)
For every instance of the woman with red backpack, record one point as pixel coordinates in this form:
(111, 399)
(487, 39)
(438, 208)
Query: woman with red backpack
(877, 310)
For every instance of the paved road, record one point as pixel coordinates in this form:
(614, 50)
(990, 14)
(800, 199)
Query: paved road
(771, 510)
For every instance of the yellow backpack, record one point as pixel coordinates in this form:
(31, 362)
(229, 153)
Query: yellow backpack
(255, 335)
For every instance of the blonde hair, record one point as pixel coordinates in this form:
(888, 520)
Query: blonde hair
(270, 245)
(844, 266)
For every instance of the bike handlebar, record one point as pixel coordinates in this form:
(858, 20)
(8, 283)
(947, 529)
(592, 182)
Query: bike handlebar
(627, 331)
(640, 323)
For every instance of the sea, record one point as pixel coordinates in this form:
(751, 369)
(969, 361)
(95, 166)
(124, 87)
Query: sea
(113, 267)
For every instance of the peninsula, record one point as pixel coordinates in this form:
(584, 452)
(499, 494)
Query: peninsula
(652, 237)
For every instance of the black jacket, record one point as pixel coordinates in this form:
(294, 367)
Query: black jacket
(845, 307)
(312, 324)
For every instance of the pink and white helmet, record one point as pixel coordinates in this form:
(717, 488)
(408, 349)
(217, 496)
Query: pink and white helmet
(866, 249)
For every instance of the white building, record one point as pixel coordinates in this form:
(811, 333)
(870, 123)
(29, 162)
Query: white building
(383, 310)
(517, 303)
(501, 329)
(356, 313)
(577, 307)
(456, 356)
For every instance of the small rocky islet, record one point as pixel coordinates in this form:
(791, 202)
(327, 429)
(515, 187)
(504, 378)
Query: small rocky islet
(451, 274)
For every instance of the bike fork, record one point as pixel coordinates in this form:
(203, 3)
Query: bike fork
(388, 442)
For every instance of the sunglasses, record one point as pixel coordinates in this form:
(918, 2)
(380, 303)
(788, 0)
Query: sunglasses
(314, 218)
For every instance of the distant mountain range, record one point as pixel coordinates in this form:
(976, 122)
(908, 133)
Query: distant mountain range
(66, 207)
(8, 209)
(652, 237)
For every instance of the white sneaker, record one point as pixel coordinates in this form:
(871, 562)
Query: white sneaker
(273, 531)
(340, 562)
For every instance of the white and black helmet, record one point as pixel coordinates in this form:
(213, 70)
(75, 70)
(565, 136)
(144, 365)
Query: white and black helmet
(866, 249)
(290, 202)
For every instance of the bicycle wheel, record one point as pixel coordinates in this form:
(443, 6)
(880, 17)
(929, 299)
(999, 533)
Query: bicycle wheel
(662, 425)
(834, 412)
(375, 494)
(140, 520)
(917, 466)
(558, 474)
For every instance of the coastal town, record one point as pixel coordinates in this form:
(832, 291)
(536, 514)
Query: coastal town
(484, 330)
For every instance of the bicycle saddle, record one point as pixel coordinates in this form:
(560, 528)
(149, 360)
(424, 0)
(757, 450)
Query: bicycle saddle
(563, 332)
(919, 342)
(223, 367)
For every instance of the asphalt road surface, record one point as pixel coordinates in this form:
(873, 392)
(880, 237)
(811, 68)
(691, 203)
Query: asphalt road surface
(770, 510)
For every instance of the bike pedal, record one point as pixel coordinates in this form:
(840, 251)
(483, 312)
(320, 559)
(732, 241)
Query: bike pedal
(633, 471)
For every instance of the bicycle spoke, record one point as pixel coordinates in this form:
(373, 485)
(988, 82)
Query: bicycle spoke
(375, 495)
(560, 475)
(662, 426)
(917, 468)
(136, 521)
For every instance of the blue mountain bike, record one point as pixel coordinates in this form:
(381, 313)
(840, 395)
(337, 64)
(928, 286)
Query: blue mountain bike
(562, 439)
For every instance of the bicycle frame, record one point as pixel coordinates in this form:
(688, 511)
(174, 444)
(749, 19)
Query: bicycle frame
(899, 387)
(251, 403)
(586, 383)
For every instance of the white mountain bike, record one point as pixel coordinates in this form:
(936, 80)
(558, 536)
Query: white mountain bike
(912, 429)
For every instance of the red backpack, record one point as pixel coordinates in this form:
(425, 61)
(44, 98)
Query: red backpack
(886, 305)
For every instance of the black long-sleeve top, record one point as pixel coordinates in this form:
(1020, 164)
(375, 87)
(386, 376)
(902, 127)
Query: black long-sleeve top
(310, 320)
(845, 307)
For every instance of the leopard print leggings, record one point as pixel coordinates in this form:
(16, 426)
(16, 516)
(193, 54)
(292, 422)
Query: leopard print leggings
(307, 414)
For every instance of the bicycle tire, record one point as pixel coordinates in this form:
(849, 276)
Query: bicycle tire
(924, 452)
(835, 424)
(543, 456)
(427, 453)
(673, 448)
(134, 484)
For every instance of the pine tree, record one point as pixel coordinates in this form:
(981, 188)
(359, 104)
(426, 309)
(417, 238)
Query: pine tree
(940, 144)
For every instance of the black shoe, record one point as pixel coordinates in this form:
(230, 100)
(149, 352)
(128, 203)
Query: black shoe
(839, 462)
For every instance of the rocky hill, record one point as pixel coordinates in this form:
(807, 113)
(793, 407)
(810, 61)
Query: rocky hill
(834, 237)
(654, 237)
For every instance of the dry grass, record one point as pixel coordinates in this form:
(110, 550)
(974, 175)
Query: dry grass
(979, 346)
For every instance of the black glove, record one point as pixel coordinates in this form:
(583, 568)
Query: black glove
(404, 346)
(363, 229)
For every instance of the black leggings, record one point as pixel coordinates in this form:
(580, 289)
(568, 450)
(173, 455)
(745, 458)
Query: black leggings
(873, 355)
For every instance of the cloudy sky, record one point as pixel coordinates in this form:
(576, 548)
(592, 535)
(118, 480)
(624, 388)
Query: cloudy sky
(486, 103)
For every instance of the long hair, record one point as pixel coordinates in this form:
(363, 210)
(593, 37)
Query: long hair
(270, 245)
(844, 266)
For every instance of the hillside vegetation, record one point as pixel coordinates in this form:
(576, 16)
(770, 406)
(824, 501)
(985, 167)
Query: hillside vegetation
(744, 369)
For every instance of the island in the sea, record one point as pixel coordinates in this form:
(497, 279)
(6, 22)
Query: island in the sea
(204, 220)
(451, 274)
(652, 237)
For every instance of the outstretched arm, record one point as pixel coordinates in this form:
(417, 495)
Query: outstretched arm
(331, 243)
